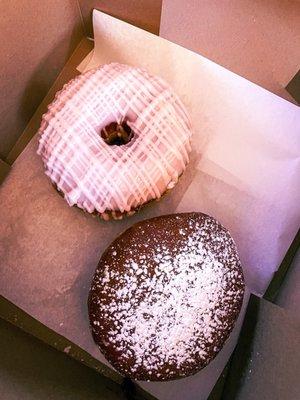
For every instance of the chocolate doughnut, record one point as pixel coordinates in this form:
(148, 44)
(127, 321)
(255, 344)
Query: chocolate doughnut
(165, 296)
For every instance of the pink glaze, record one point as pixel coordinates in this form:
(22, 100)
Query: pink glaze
(100, 177)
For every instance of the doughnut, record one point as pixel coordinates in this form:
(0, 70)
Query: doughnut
(165, 296)
(113, 139)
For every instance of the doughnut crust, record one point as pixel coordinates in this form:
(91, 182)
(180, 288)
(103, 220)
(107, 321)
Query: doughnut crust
(165, 296)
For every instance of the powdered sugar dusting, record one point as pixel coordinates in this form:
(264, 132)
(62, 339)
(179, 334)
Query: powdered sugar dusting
(165, 312)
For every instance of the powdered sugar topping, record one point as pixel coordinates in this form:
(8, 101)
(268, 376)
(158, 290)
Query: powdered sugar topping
(168, 310)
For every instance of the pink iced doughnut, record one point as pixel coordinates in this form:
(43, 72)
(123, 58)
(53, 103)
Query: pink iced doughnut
(114, 139)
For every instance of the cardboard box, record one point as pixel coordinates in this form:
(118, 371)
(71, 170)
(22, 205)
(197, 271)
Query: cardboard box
(30, 369)
(255, 40)
(33, 173)
(266, 362)
(37, 40)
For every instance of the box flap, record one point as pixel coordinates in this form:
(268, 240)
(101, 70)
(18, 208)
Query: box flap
(37, 38)
(143, 13)
(257, 40)
(25, 358)
(266, 362)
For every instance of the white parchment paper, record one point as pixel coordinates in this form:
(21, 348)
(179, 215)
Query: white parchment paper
(245, 168)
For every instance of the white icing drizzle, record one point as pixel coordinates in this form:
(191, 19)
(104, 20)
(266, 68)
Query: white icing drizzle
(99, 177)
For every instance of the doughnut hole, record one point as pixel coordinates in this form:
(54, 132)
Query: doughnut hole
(117, 134)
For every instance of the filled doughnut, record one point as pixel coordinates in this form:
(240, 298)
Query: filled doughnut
(165, 296)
